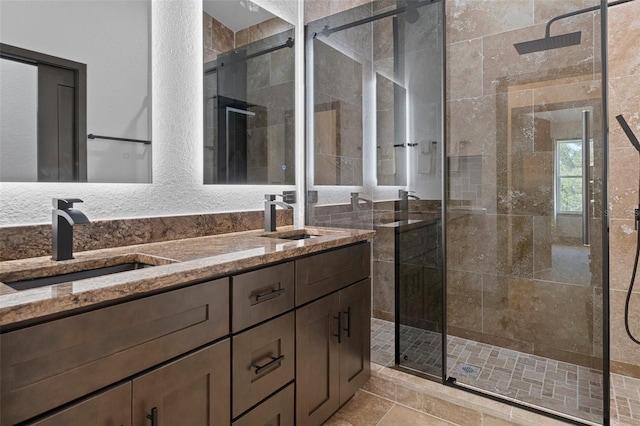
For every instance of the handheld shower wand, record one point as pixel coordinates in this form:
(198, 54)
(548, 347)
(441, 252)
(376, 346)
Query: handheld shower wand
(636, 145)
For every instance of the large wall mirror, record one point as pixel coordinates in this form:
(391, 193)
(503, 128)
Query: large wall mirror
(249, 64)
(75, 102)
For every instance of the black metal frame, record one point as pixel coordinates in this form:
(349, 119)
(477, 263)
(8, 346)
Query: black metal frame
(208, 69)
(326, 31)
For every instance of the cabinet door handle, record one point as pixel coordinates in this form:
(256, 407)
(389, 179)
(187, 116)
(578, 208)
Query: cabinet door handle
(153, 416)
(339, 335)
(261, 368)
(348, 329)
(269, 295)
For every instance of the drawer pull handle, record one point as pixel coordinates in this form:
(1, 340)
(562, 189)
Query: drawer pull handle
(153, 416)
(274, 361)
(270, 295)
(348, 329)
(339, 335)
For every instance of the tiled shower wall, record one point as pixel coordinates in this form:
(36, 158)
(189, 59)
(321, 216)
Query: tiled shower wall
(496, 255)
(492, 285)
(624, 92)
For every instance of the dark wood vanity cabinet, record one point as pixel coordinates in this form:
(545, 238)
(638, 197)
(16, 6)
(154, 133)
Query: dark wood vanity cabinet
(108, 408)
(45, 366)
(317, 361)
(246, 350)
(193, 390)
(333, 337)
(355, 345)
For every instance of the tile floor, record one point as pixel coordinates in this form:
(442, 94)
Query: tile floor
(528, 378)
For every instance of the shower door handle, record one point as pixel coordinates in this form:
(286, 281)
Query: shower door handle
(586, 177)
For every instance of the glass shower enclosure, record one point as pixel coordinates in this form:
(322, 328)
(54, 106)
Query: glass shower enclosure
(471, 136)
(525, 191)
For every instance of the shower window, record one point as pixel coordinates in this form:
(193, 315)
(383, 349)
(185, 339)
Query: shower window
(569, 176)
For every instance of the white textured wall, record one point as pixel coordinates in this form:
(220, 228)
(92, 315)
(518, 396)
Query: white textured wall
(177, 142)
(18, 121)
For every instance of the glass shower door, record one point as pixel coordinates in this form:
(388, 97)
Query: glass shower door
(525, 209)
(374, 120)
(419, 283)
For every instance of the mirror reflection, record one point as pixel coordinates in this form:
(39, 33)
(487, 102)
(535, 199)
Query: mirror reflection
(390, 132)
(75, 104)
(248, 95)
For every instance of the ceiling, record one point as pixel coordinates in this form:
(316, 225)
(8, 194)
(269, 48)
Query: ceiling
(236, 14)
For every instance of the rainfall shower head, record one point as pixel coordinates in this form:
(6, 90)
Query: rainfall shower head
(628, 131)
(554, 42)
(548, 43)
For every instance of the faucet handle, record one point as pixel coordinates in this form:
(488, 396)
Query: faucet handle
(65, 203)
(287, 197)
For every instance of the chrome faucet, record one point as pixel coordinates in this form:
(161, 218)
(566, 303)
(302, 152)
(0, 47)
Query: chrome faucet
(355, 201)
(64, 216)
(403, 205)
(270, 204)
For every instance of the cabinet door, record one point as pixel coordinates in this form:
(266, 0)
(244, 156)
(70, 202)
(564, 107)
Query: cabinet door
(194, 391)
(355, 347)
(47, 365)
(317, 358)
(109, 408)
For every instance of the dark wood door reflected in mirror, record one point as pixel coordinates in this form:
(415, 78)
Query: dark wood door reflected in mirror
(76, 91)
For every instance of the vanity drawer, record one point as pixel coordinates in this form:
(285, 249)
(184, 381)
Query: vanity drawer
(260, 295)
(330, 271)
(263, 362)
(275, 411)
(111, 407)
(47, 365)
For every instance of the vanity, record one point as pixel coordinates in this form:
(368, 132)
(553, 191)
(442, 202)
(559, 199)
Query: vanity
(244, 328)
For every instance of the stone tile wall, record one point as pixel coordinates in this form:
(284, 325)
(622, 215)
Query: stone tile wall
(624, 98)
(21, 242)
(501, 113)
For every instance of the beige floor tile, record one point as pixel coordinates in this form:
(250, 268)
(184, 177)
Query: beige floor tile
(400, 415)
(364, 409)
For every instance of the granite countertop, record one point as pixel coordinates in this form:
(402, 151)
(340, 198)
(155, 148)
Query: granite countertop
(177, 262)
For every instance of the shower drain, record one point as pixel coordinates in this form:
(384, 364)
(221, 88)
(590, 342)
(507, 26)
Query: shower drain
(469, 370)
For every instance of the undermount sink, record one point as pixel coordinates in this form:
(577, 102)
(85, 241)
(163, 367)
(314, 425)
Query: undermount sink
(68, 272)
(297, 234)
(299, 237)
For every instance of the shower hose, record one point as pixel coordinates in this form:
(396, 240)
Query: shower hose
(633, 277)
